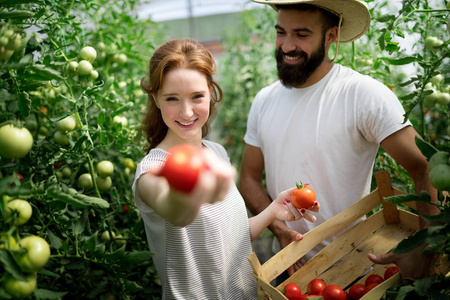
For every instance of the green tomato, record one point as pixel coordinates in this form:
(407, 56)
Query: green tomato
(31, 124)
(128, 163)
(121, 120)
(120, 58)
(4, 242)
(15, 142)
(18, 212)
(84, 68)
(104, 183)
(436, 80)
(106, 237)
(439, 158)
(88, 53)
(14, 43)
(443, 98)
(61, 139)
(72, 68)
(66, 172)
(440, 177)
(20, 289)
(5, 54)
(433, 42)
(94, 75)
(105, 168)
(119, 240)
(67, 124)
(85, 181)
(37, 255)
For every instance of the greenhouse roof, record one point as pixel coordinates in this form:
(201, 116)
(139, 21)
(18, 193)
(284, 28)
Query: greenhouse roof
(166, 10)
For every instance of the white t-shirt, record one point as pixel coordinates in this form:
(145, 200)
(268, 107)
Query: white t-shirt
(208, 258)
(327, 135)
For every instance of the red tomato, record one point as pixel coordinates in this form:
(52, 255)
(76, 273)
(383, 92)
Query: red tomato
(390, 272)
(303, 196)
(316, 286)
(126, 208)
(293, 292)
(334, 292)
(356, 291)
(370, 286)
(374, 278)
(183, 166)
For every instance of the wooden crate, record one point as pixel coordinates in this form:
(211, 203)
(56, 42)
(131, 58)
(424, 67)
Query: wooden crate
(345, 259)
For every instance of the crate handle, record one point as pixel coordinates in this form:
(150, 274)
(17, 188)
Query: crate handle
(390, 211)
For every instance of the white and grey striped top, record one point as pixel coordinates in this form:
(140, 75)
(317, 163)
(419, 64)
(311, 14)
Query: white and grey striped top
(208, 258)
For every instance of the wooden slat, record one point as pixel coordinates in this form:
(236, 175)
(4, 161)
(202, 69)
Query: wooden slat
(357, 263)
(335, 251)
(290, 254)
(385, 190)
(409, 219)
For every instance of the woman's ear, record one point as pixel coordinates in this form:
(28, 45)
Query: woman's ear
(155, 100)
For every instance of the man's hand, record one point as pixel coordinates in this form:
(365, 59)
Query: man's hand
(413, 265)
(285, 237)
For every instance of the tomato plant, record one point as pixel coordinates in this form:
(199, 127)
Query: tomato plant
(183, 167)
(333, 292)
(292, 292)
(316, 286)
(356, 291)
(303, 197)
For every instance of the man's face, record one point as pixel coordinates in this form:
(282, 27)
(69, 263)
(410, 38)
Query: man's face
(300, 45)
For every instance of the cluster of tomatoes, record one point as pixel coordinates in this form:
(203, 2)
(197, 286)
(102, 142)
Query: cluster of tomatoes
(84, 67)
(317, 287)
(10, 41)
(31, 253)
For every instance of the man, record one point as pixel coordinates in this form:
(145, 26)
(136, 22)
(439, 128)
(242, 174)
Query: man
(323, 123)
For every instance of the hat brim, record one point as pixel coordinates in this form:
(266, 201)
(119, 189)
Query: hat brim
(355, 14)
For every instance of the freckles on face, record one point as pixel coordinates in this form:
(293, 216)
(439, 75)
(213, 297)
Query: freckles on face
(184, 101)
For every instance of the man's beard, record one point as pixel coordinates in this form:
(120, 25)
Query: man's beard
(296, 75)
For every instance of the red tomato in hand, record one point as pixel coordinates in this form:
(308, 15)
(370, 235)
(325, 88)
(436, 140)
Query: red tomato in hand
(293, 292)
(334, 292)
(303, 196)
(356, 291)
(374, 278)
(183, 166)
(316, 286)
(390, 272)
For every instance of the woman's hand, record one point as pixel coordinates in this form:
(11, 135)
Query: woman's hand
(283, 209)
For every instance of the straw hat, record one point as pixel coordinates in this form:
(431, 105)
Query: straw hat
(355, 14)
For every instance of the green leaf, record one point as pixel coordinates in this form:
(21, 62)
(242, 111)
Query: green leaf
(426, 148)
(443, 217)
(118, 254)
(404, 291)
(412, 242)
(47, 294)
(138, 257)
(386, 18)
(409, 96)
(24, 103)
(422, 286)
(16, 14)
(54, 240)
(397, 199)
(132, 286)
(401, 61)
(40, 72)
(10, 265)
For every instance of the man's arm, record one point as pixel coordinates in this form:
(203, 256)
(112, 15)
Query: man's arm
(255, 194)
(402, 147)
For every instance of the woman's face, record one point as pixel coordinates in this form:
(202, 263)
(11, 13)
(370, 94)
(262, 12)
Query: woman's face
(184, 101)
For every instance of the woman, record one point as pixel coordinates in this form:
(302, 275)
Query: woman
(201, 239)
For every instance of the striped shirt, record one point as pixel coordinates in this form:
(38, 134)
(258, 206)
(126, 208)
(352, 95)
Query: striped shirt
(208, 258)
